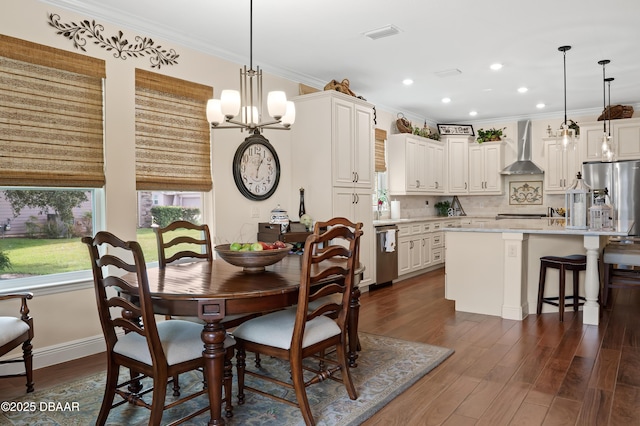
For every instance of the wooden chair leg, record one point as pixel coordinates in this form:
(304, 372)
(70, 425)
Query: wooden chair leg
(113, 371)
(297, 378)
(27, 356)
(541, 284)
(228, 381)
(345, 371)
(176, 385)
(607, 280)
(159, 395)
(240, 366)
(576, 290)
(563, 292)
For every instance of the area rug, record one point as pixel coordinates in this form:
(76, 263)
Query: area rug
(386, 368)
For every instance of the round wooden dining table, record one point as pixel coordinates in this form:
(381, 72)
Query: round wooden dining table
(213, 290)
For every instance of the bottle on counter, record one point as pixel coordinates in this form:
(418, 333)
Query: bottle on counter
(301, 210)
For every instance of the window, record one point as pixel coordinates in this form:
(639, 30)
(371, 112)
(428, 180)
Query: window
(51, 161)
(40, 230)
(159, 208)
(173, 153)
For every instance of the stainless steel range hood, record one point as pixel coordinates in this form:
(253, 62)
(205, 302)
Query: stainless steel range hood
(523, 165)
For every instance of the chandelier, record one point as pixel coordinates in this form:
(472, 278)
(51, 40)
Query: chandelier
(606, 148)
(244, 109)
(565, 138)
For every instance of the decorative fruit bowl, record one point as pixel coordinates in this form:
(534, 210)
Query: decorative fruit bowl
(252, 261)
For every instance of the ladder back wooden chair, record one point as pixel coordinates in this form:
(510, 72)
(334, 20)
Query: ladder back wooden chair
(193, 249)
(296, 334)
(148, 349)
(17, 331)
(173, 235)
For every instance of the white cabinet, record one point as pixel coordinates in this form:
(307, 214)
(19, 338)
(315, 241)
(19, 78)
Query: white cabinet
(457, 164)
(561, 167)
(416, 165)
(352, 161)
(420, 246)
(435, 167)
(331, 158)
(485, 163)
(626, 139)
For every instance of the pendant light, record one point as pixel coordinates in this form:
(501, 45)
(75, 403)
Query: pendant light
(605, 148)
(243, 109)
(611, 153)
(565, 138)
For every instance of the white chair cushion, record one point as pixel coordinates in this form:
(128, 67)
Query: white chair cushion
(276, 329)
(10, 328)
(622, 254)
(181, 342)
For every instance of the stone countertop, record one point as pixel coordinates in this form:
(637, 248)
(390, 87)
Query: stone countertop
(537, 226)
(385, 222)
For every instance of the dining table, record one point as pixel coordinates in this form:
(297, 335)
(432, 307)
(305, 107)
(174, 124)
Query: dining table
(213, 290)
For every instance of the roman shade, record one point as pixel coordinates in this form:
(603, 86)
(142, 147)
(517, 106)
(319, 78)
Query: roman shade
(173, 150)
(51, 116)
(380, 163)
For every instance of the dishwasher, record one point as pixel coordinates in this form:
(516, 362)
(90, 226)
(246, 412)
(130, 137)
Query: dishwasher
(386, 254)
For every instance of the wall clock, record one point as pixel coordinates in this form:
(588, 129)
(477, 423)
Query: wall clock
(256, 168)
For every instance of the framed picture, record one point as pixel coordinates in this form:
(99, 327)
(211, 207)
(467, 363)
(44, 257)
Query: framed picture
(455, 129)
(525, 193)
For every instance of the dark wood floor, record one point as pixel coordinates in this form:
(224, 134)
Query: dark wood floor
(532, 372)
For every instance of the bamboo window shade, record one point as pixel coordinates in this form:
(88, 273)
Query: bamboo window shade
(173, 149)
(51, 116)
(380, 163)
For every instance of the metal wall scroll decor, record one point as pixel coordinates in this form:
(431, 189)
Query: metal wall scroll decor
(123, 49)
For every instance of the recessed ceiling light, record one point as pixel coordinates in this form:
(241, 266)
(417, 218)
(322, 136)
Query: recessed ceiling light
(473, 113)
(407, 82)
(522, 89)
(540, 105)
(496, 66)
(446, 100)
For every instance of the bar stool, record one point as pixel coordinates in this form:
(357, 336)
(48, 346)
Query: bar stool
(575, 263)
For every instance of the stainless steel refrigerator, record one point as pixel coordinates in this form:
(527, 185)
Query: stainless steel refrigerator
(621, 179)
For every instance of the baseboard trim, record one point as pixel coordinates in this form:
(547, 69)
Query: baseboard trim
(57, 354)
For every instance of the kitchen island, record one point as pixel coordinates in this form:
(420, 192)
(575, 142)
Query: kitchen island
(493, 267)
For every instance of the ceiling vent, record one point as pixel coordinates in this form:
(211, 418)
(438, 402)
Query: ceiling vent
(448, 73)
(387, 31)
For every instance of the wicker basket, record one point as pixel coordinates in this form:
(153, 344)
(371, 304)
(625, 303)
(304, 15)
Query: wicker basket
(403, 125)
(617, 112)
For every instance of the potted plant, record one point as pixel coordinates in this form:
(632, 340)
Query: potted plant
(492, 134)
(442, 207)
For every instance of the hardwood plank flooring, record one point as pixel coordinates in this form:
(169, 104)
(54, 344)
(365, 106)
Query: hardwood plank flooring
(532, 372)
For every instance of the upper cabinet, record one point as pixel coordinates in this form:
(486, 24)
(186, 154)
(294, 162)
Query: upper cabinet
(485, 163)
(458, 164)
(352, 148)
(626, 138)
(416, 165)
(560, 168)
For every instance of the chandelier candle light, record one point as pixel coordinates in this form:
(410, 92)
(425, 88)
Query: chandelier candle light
(565, 136)
(243, 110)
